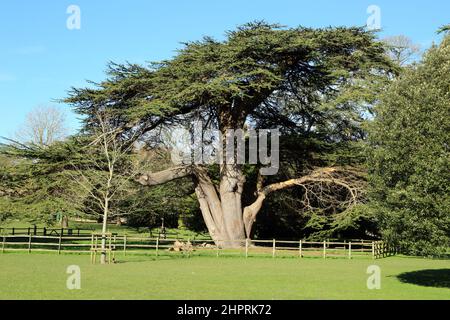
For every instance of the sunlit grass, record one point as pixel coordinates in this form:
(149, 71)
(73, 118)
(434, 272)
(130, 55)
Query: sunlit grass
(43, 276)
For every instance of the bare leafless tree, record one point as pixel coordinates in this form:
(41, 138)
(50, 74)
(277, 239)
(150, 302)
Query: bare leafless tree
(106, 173)
(43, 126)
(401, 49)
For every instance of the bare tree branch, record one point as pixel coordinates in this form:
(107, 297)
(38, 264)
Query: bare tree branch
(319, 184)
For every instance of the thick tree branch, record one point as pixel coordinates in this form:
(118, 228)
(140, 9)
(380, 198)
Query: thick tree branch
(153, 179)
(340, 177)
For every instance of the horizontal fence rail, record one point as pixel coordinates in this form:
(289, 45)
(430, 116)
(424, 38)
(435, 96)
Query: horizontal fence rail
(35, 231)
(196, 247)
(73, 232)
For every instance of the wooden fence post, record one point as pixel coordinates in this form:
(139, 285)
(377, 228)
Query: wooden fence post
(274, 248)
(300, 249)
(246, 248)
(59, 243)
(92, 248)
(350, 250)
(324, 249)
(29, 244)
(157, 245)
(188, 250)
(95, 248)
(373, 250)
(110, 248)
(3, 244)
(125, 245)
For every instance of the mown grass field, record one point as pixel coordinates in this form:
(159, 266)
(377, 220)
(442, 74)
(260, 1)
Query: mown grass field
(43, 276)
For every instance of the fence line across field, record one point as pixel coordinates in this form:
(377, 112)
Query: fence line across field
(44, 231)
(159, 246)
(76, 232)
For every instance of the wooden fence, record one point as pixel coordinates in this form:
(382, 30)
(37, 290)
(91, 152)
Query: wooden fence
(382, 249)
(158, 247)
(158, 233)
(44, 231)
(36, 231)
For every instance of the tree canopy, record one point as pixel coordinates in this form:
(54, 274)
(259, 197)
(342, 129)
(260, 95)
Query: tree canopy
(289, 77)
(312, 84)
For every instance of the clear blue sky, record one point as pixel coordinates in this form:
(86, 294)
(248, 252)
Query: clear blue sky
(40, 59)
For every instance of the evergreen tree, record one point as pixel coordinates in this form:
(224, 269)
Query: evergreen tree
(310, 83)
(410, 156)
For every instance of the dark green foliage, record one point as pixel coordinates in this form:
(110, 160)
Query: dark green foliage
(37, 181)
(169, 201)
(410, 156)
(444, 29)
(286, 209)
(301, 79)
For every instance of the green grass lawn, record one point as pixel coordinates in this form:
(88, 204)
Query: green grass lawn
(43, 276)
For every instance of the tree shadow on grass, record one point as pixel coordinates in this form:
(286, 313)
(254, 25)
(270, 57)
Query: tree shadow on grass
(439, 278)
